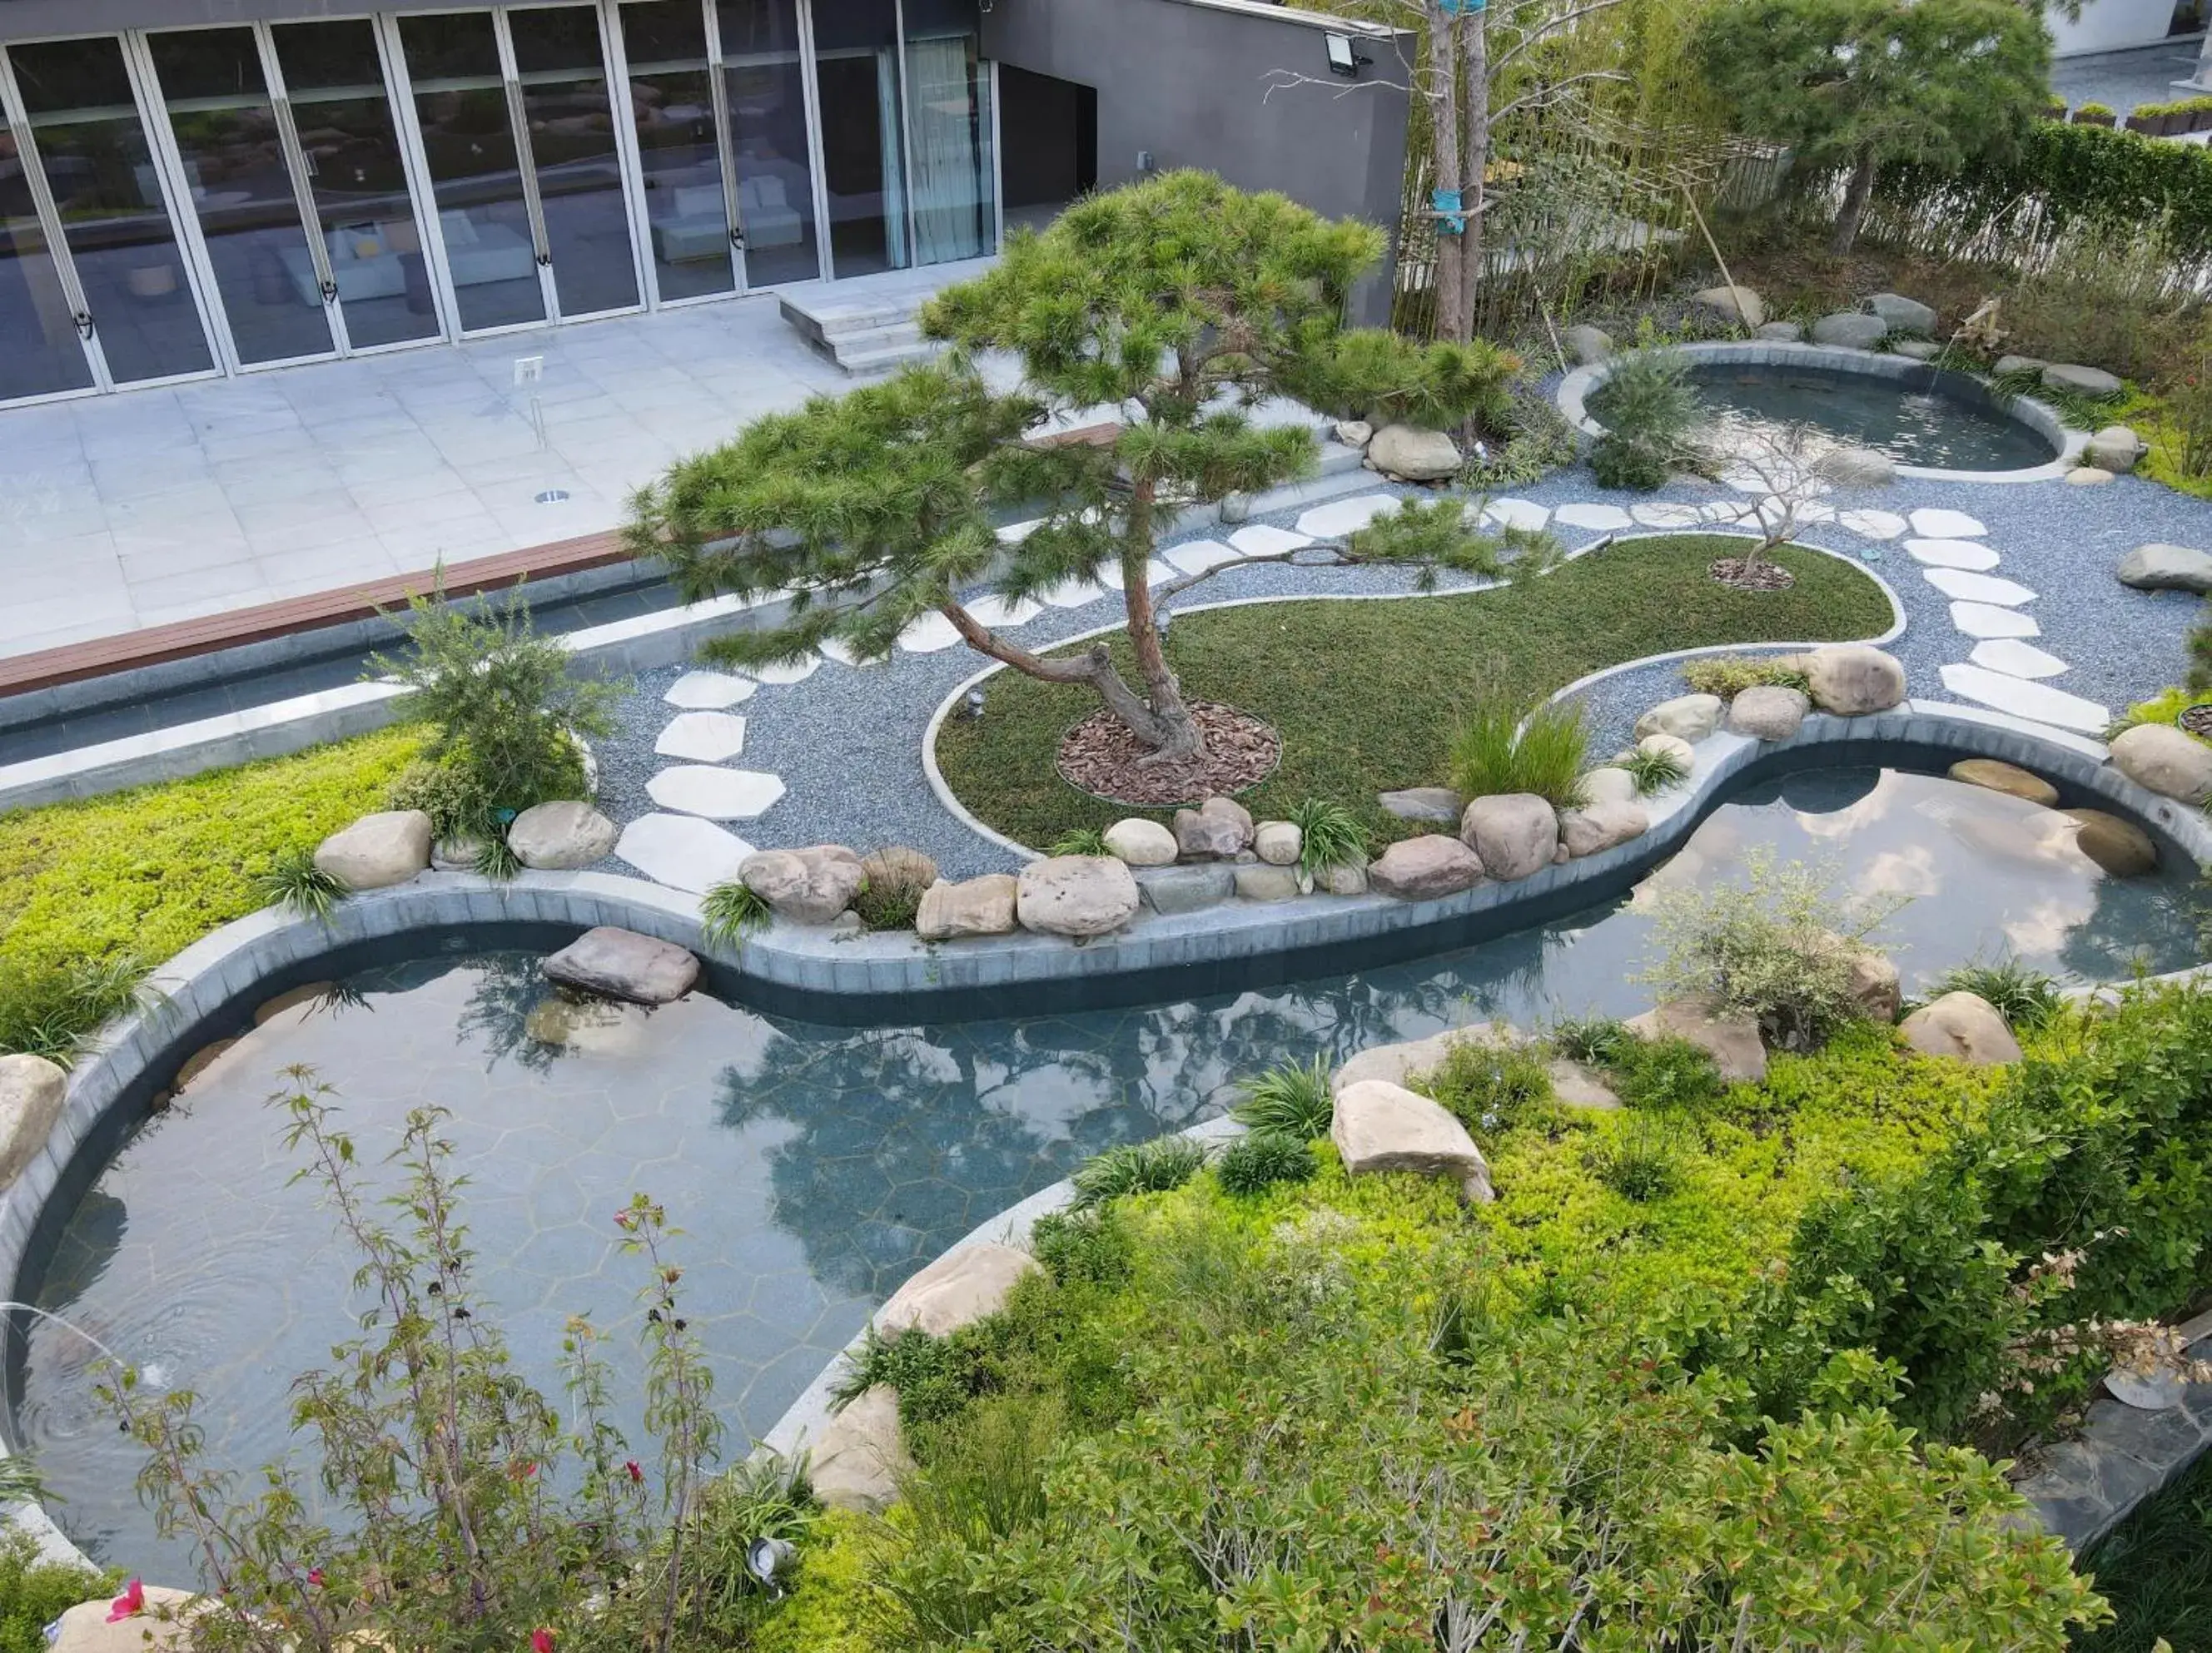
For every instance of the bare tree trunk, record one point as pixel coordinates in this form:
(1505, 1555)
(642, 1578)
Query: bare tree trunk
(1475, 164)
(1180, 736)
(1445, 157)
(1856, 194)
(1094, 666)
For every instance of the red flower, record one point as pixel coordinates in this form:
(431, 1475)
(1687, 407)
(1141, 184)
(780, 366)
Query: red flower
(129, 1604)
(315, 1577)
(635, 1474)
(541, 1640)
(622, 1219)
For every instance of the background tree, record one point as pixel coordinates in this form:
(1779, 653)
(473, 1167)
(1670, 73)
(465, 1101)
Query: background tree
(1860, 84)
(1147, 322)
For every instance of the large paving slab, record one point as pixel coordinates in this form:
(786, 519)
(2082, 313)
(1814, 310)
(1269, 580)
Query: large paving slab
(1987, 620)
(709, 691)
(1260, 539)
(1952, 554)
(2023, 698)
(718, 794)
(1937, 522)
(682, 851)
(1341, 517)
(1977, 588)
(702, 736)
(2020, 659)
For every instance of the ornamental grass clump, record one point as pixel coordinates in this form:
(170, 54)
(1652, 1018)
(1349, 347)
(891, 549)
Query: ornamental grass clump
(730, 911)
(1654, 769)
(1330, 834)
(1080, 841)
(1503, 747)
(293, 882)
(1154, 1166)
(1256, 1162)
(2027, 998)
(1291, 1099)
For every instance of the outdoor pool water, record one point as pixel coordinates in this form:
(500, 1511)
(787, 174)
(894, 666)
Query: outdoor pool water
(814, 1167)
(1942, 422)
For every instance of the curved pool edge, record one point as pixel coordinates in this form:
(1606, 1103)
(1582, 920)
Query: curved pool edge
(1247, 944)
(1573, 394)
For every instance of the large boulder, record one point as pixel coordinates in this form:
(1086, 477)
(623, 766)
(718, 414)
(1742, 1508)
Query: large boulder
(1424, 868)
(388, 847)
(1141, 842)
(1914, 350)
(1411, 454)
(1588, 344)
(2159, 567)
(899, 867)
(1277, 842)
(617, 964)
(2081, 381)
(1186, 889)
(2087, 476)
(982, 906)
(2121, 848)
(2115, 448)
(1901, 314)
(807, 886)
(1855, 467)
(1608, 784)
(1780, 332)
(1381, 1127)
(1219, 826)
(562, 836)
(960, 1288)
(2009, 779)
(1964, 1025)
(1353, 432)
(1672, 746)
(1513, 834)
(1732, 303)
(1768, 711)
(1261, 882)
(1423, 804)
(1408, 1059)
(1686, 717)
(1343, 877)
(2162, 757)
(2006, 366)
(1076, 896)
(857, 1462)
(1851, 330)
(1854, 679)
(1875, 987)
(1731, 1040)
(32, 1089)
(1597, 826)
(162, 1625)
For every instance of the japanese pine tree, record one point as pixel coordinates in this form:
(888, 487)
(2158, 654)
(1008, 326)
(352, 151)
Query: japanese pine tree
(1145, 326)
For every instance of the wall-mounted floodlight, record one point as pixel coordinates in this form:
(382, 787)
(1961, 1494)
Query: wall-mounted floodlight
(1345, 58)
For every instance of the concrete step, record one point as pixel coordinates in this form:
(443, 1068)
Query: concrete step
(859, 339)
(886, 358)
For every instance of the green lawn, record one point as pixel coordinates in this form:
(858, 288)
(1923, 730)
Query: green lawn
(1365, 693)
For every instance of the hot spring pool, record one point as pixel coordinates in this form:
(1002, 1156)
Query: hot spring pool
(814, 1167)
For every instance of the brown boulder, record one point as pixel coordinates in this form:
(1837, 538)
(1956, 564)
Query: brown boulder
(1962, 1025)
(2121, 848)
(1424, 868)
(2010, 779)
(1731, 1039)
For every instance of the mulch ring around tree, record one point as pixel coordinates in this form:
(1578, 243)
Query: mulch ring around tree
(1101, 756)
(2197, 720)
(1767, 576)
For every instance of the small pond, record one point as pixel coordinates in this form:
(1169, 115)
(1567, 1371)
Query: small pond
(1937, 421)
(814, 1167)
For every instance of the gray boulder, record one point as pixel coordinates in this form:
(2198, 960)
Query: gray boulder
(1686, 717)
(1674, 746)
(807, 886)
(1780, 332)
(2087, 476)
(562, 836)
(974, 907)
(1768, 711)
(1588, 344)
(2082, 381)
(2008, 365)
(1916, 349)
(622, 964)
(1343, 877)
(1513, 834)
(1600, 826)
(2115, 448)
(1423, 804)
(2162, 757)
(1411, 454)
(32, 1089)
(1277, 842)
(164, 1626)
(1380, 1127)
(857, 1462)
(376, 851)
(1607, 784)
(1076, 896)
(1855, 467)
(1219, 827)
(1354, 432)
(1577, 1084)
(1261, 882)
(1851, 330)
(1424, 868)
(1141, 842)
(1735, 303)
(2160, 567)
(1731, 1040)
(957, 1290)
(1964, 1026)
(1854, 679)
(1901, 314)
(457, 855)
(1186, 889)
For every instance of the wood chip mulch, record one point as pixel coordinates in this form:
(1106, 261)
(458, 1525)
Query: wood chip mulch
(1767, 576)
(2197, 720)
(1101, 755)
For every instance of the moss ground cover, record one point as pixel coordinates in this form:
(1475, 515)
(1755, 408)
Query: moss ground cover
(94, 893)
(1366, 695)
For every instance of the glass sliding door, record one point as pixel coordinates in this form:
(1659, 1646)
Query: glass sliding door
(475, 169)
(240, 189)
(43, 353)
(83, 118)
(562, 67)
(857, 75)
(350, 147)
(673, 102)
(765, 79)
(948, 88)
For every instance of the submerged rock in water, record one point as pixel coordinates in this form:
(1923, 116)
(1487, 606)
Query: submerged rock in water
(617, 964)
(2121, 848)
(1996, 775)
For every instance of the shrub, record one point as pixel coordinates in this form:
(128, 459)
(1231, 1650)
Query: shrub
(34, 1592)
(2104, 298)
(1664, 1073)
(1089, 1247)
(730, 911)
(1641, 1157)
(1080, 841)
(1330, 834)
(1654, 771)
(1729, 675)
(452, 795)
(1649, 410)
(2161, 708)
(1493, 1089)
(1288, 1100)
(892, 896)
(2027, 998)
(1498, 747)
(1154, 1166)
(293, 882)
(1258, 1161)
(764, 1498)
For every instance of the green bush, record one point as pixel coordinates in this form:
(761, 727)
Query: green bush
(1729, 675)
(1091, 1247)
(1154, 1166)
(1640, 1158)
(1500, 747)
(1261, 1159)
(1330, 834)
(1649, 410)
(2165, 708)
(1291, 1099)
(1594, 1039)
(1492, 1089)
(1663, 1073)
(34, 1592)
(891, 898)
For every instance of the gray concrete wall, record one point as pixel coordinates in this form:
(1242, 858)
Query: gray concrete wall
(1188, 80)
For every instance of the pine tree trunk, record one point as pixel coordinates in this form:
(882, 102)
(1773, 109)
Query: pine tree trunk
(1175, 734)
(1443, 95)
(1856, 194)
(1475, 164)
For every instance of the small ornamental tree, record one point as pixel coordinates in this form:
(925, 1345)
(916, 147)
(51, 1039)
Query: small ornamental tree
(1147, 322)
(1860, 84)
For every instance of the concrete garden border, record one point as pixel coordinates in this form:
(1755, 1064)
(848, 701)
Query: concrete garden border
(1574, 390)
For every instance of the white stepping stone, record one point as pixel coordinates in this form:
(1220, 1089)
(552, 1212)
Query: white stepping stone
(1156, 572)
(1936, 523)
(1977, 588)
(1260, 540)
(798, 672)
(1808, 510)
(837, 649)
(1341, 517)
(1015, 533)
(718, 794)
(1071, 593)
(702, 736)
(1665, 514)
(1000, 615)
(2016, 658)
(1872, 525)
(709, 691)
(1515, 513)
(1200, 554)
(1951, 553)
(927, 635)
(1986, 620)
(1600, 517)
(2023, 698)
(682, 851)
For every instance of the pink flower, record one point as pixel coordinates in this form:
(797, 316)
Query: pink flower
(635, 1474)
(315, 1577)
(541, 1640)
(132, 1603)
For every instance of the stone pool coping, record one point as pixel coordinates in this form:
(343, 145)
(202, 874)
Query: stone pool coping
(1573, 395)
(797, 970)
